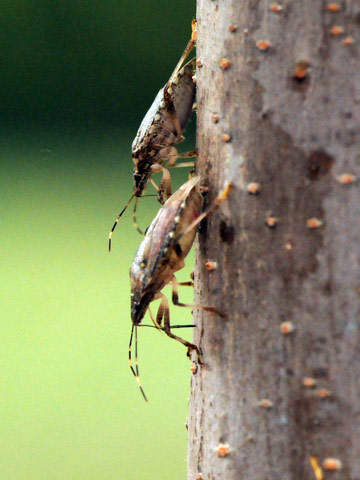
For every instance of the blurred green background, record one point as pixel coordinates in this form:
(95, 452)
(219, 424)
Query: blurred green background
(77, 78)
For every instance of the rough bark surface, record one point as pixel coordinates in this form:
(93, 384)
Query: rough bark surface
(295, 137)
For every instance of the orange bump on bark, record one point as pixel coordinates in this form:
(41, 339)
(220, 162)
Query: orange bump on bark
(348, 41)
(232, 28)
(199, 476)
(309, 382)
(193, 367)
(332, 464)
(263, 45)
(275, 7)
(199, 63)
(288, 245)
(223, 449)
(265, 403)
(211, 265)
(301, 69)
(323, 393)
(215, 118)
(333, 7)
(271, 222)
(336, 30)
(225, 63)
(346, 178)
(253, 188)
(226, 137)
(313, 222)
(287, 327)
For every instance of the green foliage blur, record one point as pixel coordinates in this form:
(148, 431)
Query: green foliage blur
(85, 63)
(77, 78)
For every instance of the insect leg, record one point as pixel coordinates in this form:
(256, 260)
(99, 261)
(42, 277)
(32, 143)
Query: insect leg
(217, 202)
(186, 52)
(171, 326)
(164, 305)
(156, 321)
(158, 324)
(134, 215)
(160, 197)
(135, 370)
(172, 159)
(164, 189)
(154, 184)
(183, 164)
(175, 299)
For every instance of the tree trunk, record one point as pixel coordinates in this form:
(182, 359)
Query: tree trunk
(278, 115)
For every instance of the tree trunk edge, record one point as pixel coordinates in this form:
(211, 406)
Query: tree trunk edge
(289, 272)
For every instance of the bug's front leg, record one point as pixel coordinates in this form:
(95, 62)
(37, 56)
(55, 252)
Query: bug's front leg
(164, 189)
(156, 321)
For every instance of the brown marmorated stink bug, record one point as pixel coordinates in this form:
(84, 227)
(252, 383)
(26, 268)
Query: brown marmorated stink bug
(167, 242)
(161, 129)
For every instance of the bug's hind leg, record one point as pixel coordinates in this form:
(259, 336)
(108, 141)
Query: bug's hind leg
(165, 312)
(175, 299)
(172, 159)
(186, 52)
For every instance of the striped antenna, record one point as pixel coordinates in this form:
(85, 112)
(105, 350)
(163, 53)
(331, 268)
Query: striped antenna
(135, 370)
(117, 220)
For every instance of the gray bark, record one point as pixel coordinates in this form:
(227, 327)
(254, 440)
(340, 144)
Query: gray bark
(295, 137)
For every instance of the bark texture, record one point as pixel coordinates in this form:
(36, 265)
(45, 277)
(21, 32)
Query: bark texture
(292, 114)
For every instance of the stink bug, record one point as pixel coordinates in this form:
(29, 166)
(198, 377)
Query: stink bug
(167, 242)
(161, 129)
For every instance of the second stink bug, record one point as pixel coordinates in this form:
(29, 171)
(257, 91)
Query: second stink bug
(162, 253)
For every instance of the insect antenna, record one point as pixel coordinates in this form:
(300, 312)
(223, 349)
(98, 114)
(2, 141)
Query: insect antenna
(118, 218)
(135, 370)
